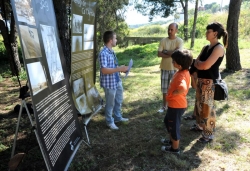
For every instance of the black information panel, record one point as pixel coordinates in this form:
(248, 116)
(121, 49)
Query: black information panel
(58, 128)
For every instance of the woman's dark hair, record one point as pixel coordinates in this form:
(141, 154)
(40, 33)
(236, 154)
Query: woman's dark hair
(216, 26)
(183, 58)
(107, 36)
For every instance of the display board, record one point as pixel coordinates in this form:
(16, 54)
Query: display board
(57, 125)
(85, 95)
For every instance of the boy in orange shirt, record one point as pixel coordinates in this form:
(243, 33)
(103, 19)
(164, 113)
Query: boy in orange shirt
(176, 98)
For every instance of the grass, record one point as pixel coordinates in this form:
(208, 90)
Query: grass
(136, 145)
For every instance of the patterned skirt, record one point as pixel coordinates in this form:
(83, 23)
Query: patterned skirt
(205, 109)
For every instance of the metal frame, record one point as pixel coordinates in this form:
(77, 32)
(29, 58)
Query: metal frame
(85, 123)
(23, 104)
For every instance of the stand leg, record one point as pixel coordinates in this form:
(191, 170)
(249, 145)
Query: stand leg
(23, 103)
(27, 110)
(86, 121)
(85, 127)
(86, 132)
(17, 127)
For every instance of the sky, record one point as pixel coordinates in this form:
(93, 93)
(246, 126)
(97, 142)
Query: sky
(133, 17)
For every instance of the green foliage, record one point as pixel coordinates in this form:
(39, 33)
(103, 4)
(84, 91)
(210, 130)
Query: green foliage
(5, 70)
(2, 48)
(134, 26)
(142, 56)
(122, 31)
(204, 18)
(201, 23)
(22, 76)
(219, 17)
(244, 27)
(109, 16)
(244, 43)
(148, 31)
(156, 8)
(3, 55)
(2, 147)
(213, 7)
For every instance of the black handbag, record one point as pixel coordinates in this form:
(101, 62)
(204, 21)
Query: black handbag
(220, 88)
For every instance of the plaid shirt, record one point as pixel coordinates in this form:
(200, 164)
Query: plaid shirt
(107, 59)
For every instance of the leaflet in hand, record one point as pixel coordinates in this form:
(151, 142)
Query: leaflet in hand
(129, 67)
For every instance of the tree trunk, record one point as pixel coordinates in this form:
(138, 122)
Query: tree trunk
(194, 24)
(62, 13)
(232, 53)
(16, 66)
(10, 43)
(186, 21)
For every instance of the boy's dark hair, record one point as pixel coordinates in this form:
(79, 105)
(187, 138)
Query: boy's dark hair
(183, 58)
(107, 36)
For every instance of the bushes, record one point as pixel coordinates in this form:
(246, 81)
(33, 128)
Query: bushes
(2, 49)
(3, 53)
(202, 21)
(148, 31)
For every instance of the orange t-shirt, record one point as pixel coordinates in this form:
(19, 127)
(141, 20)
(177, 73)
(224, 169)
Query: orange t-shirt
(180, 82)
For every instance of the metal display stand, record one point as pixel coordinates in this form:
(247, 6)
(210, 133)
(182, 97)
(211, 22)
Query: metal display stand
(33, 123)
(85, 123)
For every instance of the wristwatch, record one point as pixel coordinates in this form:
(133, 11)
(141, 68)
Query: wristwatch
(164, 51)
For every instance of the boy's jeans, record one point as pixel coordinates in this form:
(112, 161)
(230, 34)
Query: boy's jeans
(114, 100)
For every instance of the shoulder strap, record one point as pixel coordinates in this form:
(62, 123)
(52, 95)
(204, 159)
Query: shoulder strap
(214, 45)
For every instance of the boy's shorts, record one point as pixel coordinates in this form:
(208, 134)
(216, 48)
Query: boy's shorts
(172, 121)
(166, 76)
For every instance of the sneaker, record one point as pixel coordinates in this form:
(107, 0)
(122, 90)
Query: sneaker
(161, 110)
(113, 126)
(166, 142)
(122, 120)
(170, 150)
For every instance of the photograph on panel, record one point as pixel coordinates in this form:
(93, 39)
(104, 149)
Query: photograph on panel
(24, 12)
(52, 53)
(37, 77)
(76, 45)
(78, 87)
(88, 36)
(82, 105)
(30, 42)
(94, 98)
(88, 32)
(77, 23)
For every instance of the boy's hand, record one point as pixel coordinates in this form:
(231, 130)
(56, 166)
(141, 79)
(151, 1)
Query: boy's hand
(123, 68)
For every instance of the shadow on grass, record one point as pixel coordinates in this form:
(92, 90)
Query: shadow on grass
(135, 146)
(26, 143)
